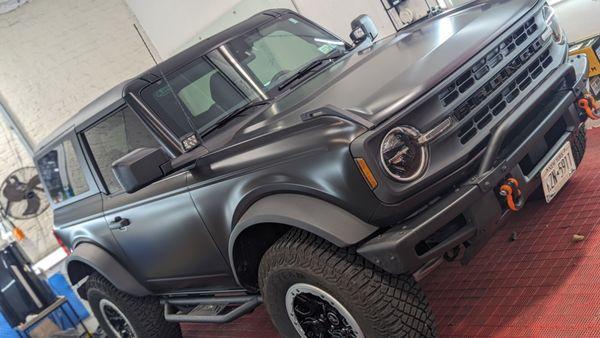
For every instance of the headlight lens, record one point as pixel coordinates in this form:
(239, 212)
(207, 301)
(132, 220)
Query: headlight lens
(552, 23)
(403, 156)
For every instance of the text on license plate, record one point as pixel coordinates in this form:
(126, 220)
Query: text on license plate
(558, 171)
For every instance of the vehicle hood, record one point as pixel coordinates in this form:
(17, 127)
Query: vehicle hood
(377, 82)
(381, 80)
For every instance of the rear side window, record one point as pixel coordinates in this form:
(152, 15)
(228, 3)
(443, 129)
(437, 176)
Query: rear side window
(113, 138)
(61, 173)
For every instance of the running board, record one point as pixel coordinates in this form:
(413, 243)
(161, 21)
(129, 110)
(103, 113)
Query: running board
(210, 309)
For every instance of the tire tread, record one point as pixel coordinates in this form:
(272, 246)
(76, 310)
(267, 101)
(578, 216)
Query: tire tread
(144, 313)
(396, 300)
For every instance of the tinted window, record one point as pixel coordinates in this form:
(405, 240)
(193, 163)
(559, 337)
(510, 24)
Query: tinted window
(247, 68)
(198, 95)
(113, 138)
(61, 173)
(279, 50)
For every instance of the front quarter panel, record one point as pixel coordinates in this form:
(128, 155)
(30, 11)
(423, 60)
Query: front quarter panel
(312, 158)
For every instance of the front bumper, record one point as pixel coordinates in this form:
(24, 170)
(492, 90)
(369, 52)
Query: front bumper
(470, 214)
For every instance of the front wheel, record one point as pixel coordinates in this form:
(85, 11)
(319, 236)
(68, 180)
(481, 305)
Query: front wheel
(312, 288)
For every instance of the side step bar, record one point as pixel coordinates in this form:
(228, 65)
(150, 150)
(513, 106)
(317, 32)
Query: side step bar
(210, 309)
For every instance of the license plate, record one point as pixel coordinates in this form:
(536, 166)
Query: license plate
(558, 171)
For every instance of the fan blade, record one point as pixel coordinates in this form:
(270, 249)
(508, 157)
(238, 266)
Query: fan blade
(33, 204)
(33, 182)
(12, 193)
(6, 209)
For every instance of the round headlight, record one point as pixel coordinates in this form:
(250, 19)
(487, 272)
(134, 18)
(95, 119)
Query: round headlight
(552, 22)
(403, 156)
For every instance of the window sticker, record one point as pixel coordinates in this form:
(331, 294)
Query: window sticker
(292, 20)
(325, 49)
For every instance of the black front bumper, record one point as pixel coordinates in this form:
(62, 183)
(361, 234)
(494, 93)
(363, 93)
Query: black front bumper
(471, 213)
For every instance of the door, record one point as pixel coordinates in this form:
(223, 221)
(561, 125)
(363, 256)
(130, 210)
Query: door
(159, 229)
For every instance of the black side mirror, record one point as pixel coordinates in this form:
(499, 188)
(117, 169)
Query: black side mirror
(363, 29)
(141, 168)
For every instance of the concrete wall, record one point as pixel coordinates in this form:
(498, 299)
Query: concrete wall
(579, 18)
(55, 57)
(58, 55)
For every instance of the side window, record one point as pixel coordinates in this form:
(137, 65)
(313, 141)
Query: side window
(61, 173)
(197, 95)
(113, 138)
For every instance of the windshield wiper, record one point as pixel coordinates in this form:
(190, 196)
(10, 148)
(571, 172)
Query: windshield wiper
(233, 114)
(308, 68)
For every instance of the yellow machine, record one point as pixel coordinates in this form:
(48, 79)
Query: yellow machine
(591, 48)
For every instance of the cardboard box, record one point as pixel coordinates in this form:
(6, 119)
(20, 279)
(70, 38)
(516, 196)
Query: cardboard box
(44, 329)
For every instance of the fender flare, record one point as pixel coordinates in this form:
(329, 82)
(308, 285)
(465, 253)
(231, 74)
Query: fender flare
(310, 214)
(88, 256)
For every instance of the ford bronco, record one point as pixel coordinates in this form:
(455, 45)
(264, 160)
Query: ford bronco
(276, 163)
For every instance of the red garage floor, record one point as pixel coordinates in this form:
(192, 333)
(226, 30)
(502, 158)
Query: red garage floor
(543, 284)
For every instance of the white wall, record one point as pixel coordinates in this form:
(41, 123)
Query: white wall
(172, 27)
(58, 55)
(55, 57)
(336, 15)
(579, 18)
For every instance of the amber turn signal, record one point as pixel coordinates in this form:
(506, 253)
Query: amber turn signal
(366, 173)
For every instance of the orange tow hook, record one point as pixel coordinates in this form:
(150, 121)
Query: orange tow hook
(512, 194)
(589, 104)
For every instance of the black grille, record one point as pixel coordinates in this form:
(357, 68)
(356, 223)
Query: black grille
(487, 63)
(527, 62)
(527, 66)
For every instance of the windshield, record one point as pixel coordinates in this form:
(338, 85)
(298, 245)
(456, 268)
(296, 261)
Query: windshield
(246, 69)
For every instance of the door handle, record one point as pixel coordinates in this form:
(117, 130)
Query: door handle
(119, 223)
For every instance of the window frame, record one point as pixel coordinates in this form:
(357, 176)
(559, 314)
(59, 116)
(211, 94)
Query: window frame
(87, 151)
(69, 135)
(136, 91)
(151, 106)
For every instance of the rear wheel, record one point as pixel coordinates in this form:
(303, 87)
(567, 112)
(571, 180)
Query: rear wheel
(312, 288)
(124, 316)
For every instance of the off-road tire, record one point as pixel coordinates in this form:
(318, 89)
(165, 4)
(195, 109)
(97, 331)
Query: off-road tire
(578, 144)
(384, 305)
(144, 313)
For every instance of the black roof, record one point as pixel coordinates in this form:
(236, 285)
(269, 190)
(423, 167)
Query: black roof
(212, 42)
(165, 67)
(89, 111)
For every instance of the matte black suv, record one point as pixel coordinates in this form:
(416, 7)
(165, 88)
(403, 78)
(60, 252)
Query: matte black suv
(276, 163)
